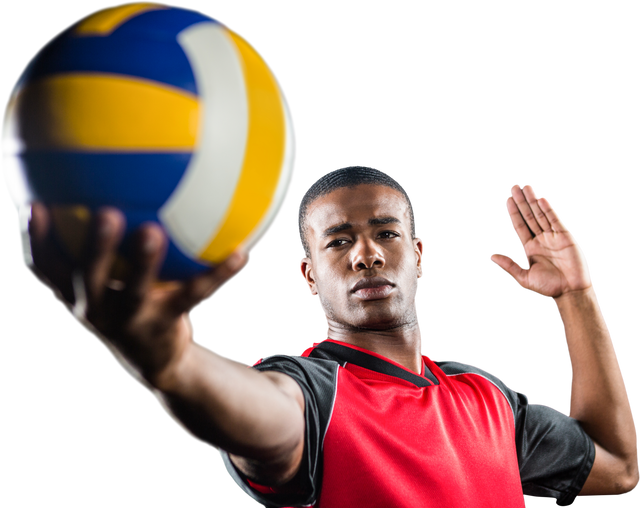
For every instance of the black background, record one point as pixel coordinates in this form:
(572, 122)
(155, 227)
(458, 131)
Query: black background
(458, 105)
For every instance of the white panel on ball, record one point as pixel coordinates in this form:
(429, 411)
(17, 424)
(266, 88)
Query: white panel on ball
(195, 210)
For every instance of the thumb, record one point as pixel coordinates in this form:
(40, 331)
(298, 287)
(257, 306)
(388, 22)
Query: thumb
(511, 267)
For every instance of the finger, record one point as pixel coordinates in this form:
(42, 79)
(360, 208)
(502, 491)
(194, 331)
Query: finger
(36, 239)
(554, 221)
(540, 221)
(511, 267)
(523, 199)
(44, 256)
(203, 286)
(149, 249)
(105, 234)
(39, 222)
(523, 231)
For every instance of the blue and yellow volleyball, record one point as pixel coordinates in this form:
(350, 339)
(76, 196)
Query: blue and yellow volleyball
(163, 113)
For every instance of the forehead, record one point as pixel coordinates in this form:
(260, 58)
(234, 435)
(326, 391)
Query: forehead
(356, 205)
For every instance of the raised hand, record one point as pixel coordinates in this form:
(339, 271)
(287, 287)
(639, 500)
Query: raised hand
(144, 323)
(556, 264)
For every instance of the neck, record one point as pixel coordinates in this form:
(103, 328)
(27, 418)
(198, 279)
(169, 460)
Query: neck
(401, 345)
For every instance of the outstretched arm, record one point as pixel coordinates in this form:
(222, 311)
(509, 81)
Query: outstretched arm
(258, 416)
(598, 396)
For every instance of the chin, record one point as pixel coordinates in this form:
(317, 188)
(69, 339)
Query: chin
(378, 320)
(390, 320)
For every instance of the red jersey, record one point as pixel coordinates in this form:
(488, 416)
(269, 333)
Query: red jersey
(379, 435)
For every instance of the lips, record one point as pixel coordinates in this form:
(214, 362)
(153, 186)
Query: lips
(377, 293)
(370, 282)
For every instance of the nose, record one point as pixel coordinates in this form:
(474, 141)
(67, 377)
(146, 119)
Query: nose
(366, 254)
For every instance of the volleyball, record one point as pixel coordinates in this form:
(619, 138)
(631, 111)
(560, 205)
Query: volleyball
(161, 112)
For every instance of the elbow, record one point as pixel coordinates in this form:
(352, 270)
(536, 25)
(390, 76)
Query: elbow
(630, 480)
(627, 478)
(632, 473)
(611, 475)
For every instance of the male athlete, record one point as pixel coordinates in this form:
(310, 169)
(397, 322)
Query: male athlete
(363, 419)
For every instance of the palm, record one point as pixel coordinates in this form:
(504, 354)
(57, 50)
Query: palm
(556, 263)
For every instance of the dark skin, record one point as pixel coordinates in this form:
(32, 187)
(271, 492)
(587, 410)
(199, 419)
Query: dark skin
(340, 255)
(389, 326)
(364, 265)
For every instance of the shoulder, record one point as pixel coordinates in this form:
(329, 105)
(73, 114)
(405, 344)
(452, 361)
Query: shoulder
(298, 365)
(317, 377)
(453, 366)
(453, 370)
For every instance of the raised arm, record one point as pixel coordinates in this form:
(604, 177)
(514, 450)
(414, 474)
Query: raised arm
(598, 396)
(257, 416)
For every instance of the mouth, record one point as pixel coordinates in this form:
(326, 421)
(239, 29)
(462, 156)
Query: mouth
(375, 293)
(372, 288)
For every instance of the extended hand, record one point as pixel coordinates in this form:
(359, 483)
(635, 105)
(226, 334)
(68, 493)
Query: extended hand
(144, 323)
(557, 265)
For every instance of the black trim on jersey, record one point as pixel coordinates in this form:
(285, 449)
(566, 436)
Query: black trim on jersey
(318, 380)
(345, 354)
(555, 454)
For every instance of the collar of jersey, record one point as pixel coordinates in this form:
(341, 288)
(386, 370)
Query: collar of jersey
(346, 353)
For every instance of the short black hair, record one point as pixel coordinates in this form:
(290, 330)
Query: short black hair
(346, 177)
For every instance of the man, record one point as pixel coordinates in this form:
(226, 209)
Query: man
(363, 419)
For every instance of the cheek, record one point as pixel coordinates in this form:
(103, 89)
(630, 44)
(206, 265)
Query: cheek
(410, 273)
(331, 288)
(323, 280)
(328, 285)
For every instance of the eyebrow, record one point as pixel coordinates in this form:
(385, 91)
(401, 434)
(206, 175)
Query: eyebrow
(376, 221)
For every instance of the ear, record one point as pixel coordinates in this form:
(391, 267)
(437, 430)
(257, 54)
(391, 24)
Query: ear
(307, 272)
(421, 249)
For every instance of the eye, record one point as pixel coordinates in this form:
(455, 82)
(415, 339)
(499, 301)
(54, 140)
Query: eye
(334, 244)
(388, 234)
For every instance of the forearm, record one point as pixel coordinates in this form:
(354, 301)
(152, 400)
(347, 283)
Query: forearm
(598, 396)
(231, 406)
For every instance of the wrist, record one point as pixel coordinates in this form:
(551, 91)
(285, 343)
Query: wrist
(169, 360)
(575, 297)
(170, 377)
